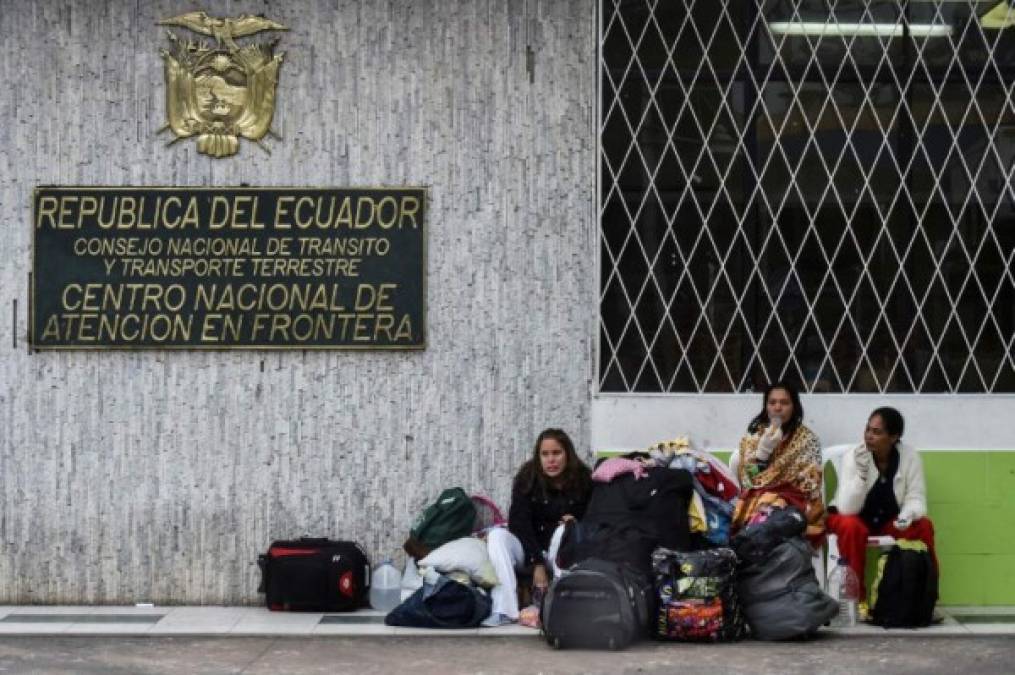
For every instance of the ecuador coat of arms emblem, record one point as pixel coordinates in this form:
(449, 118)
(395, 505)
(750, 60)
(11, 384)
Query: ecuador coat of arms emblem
(219, 91)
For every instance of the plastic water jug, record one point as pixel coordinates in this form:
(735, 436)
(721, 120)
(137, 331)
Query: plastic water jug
(844, 586)
(385, 587)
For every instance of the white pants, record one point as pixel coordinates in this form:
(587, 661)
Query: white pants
(507, 555)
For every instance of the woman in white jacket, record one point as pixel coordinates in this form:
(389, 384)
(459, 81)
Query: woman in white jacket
(881, 491)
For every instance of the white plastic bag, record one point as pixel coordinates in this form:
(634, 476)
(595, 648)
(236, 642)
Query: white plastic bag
(468, 555)
(411, 580)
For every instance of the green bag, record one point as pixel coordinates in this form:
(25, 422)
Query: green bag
(449, 518)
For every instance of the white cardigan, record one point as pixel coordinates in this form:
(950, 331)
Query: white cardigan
(909, 486)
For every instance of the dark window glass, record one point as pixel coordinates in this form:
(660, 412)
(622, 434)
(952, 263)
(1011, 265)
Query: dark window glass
(813, 191)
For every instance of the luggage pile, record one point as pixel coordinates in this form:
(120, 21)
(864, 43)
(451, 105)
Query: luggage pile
(637, 572)
(631, 568)
(324, 575)
(455, 572)
(710, 510)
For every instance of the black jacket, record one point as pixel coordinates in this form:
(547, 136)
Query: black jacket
(628, 518)
(534, 516)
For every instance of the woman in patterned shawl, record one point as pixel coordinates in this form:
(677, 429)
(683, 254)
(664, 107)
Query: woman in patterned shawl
(779, 462)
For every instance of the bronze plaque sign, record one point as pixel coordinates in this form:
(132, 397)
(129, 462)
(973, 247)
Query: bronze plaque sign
(199, 268)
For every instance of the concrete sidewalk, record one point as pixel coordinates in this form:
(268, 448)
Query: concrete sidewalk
(158, 621)
(363, 655)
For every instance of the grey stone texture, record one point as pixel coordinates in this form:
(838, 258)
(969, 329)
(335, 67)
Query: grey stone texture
(915, 655)
(159, 476)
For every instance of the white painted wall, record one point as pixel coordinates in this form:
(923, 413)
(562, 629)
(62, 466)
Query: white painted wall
(717, 421)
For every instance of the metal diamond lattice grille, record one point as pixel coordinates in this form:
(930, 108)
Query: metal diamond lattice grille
(819, 192)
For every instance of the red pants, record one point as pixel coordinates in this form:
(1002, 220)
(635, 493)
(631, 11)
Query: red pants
(852, 536)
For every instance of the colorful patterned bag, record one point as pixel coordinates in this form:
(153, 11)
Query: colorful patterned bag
(697, 596)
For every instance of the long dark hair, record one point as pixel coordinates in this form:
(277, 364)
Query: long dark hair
(575, 479)
(788, 426)
(892, 419)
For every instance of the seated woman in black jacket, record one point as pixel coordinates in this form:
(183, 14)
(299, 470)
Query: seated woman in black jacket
(551, 488)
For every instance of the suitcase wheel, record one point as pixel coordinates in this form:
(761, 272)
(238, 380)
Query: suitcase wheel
(612, 644)
(556, 643)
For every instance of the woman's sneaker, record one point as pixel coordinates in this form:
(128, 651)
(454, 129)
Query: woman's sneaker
(497, 619)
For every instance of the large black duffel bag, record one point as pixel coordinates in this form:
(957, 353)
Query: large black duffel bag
(780, 595)
(315, 575)
(628, 518)
(597, 604)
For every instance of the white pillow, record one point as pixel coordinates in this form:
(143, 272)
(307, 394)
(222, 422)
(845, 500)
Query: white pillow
(468, 555)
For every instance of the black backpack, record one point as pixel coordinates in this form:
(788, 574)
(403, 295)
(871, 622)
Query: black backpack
(628, 518)
(906, 587)
(597, 604)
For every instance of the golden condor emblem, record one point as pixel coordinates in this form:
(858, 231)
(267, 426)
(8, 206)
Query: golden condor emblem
(219, 92)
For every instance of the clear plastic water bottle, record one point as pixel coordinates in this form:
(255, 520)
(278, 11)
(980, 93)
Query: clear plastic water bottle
(385, 587)
(844, 586)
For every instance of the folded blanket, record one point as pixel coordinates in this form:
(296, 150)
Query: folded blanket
(618, 466)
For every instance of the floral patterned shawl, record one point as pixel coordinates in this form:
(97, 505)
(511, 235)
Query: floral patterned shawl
(794, 469)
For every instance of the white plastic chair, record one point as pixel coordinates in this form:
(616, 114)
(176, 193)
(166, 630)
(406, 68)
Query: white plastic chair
(832, 455)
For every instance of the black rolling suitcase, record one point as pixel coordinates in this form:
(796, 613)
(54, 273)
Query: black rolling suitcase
(597, 604)
(315, 575)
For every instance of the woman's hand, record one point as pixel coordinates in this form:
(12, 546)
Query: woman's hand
(863, 459)
(539, 577)
(769, 441)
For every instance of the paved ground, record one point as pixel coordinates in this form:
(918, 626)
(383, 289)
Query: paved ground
(146, 639)
(524, 655)
(149, 621)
